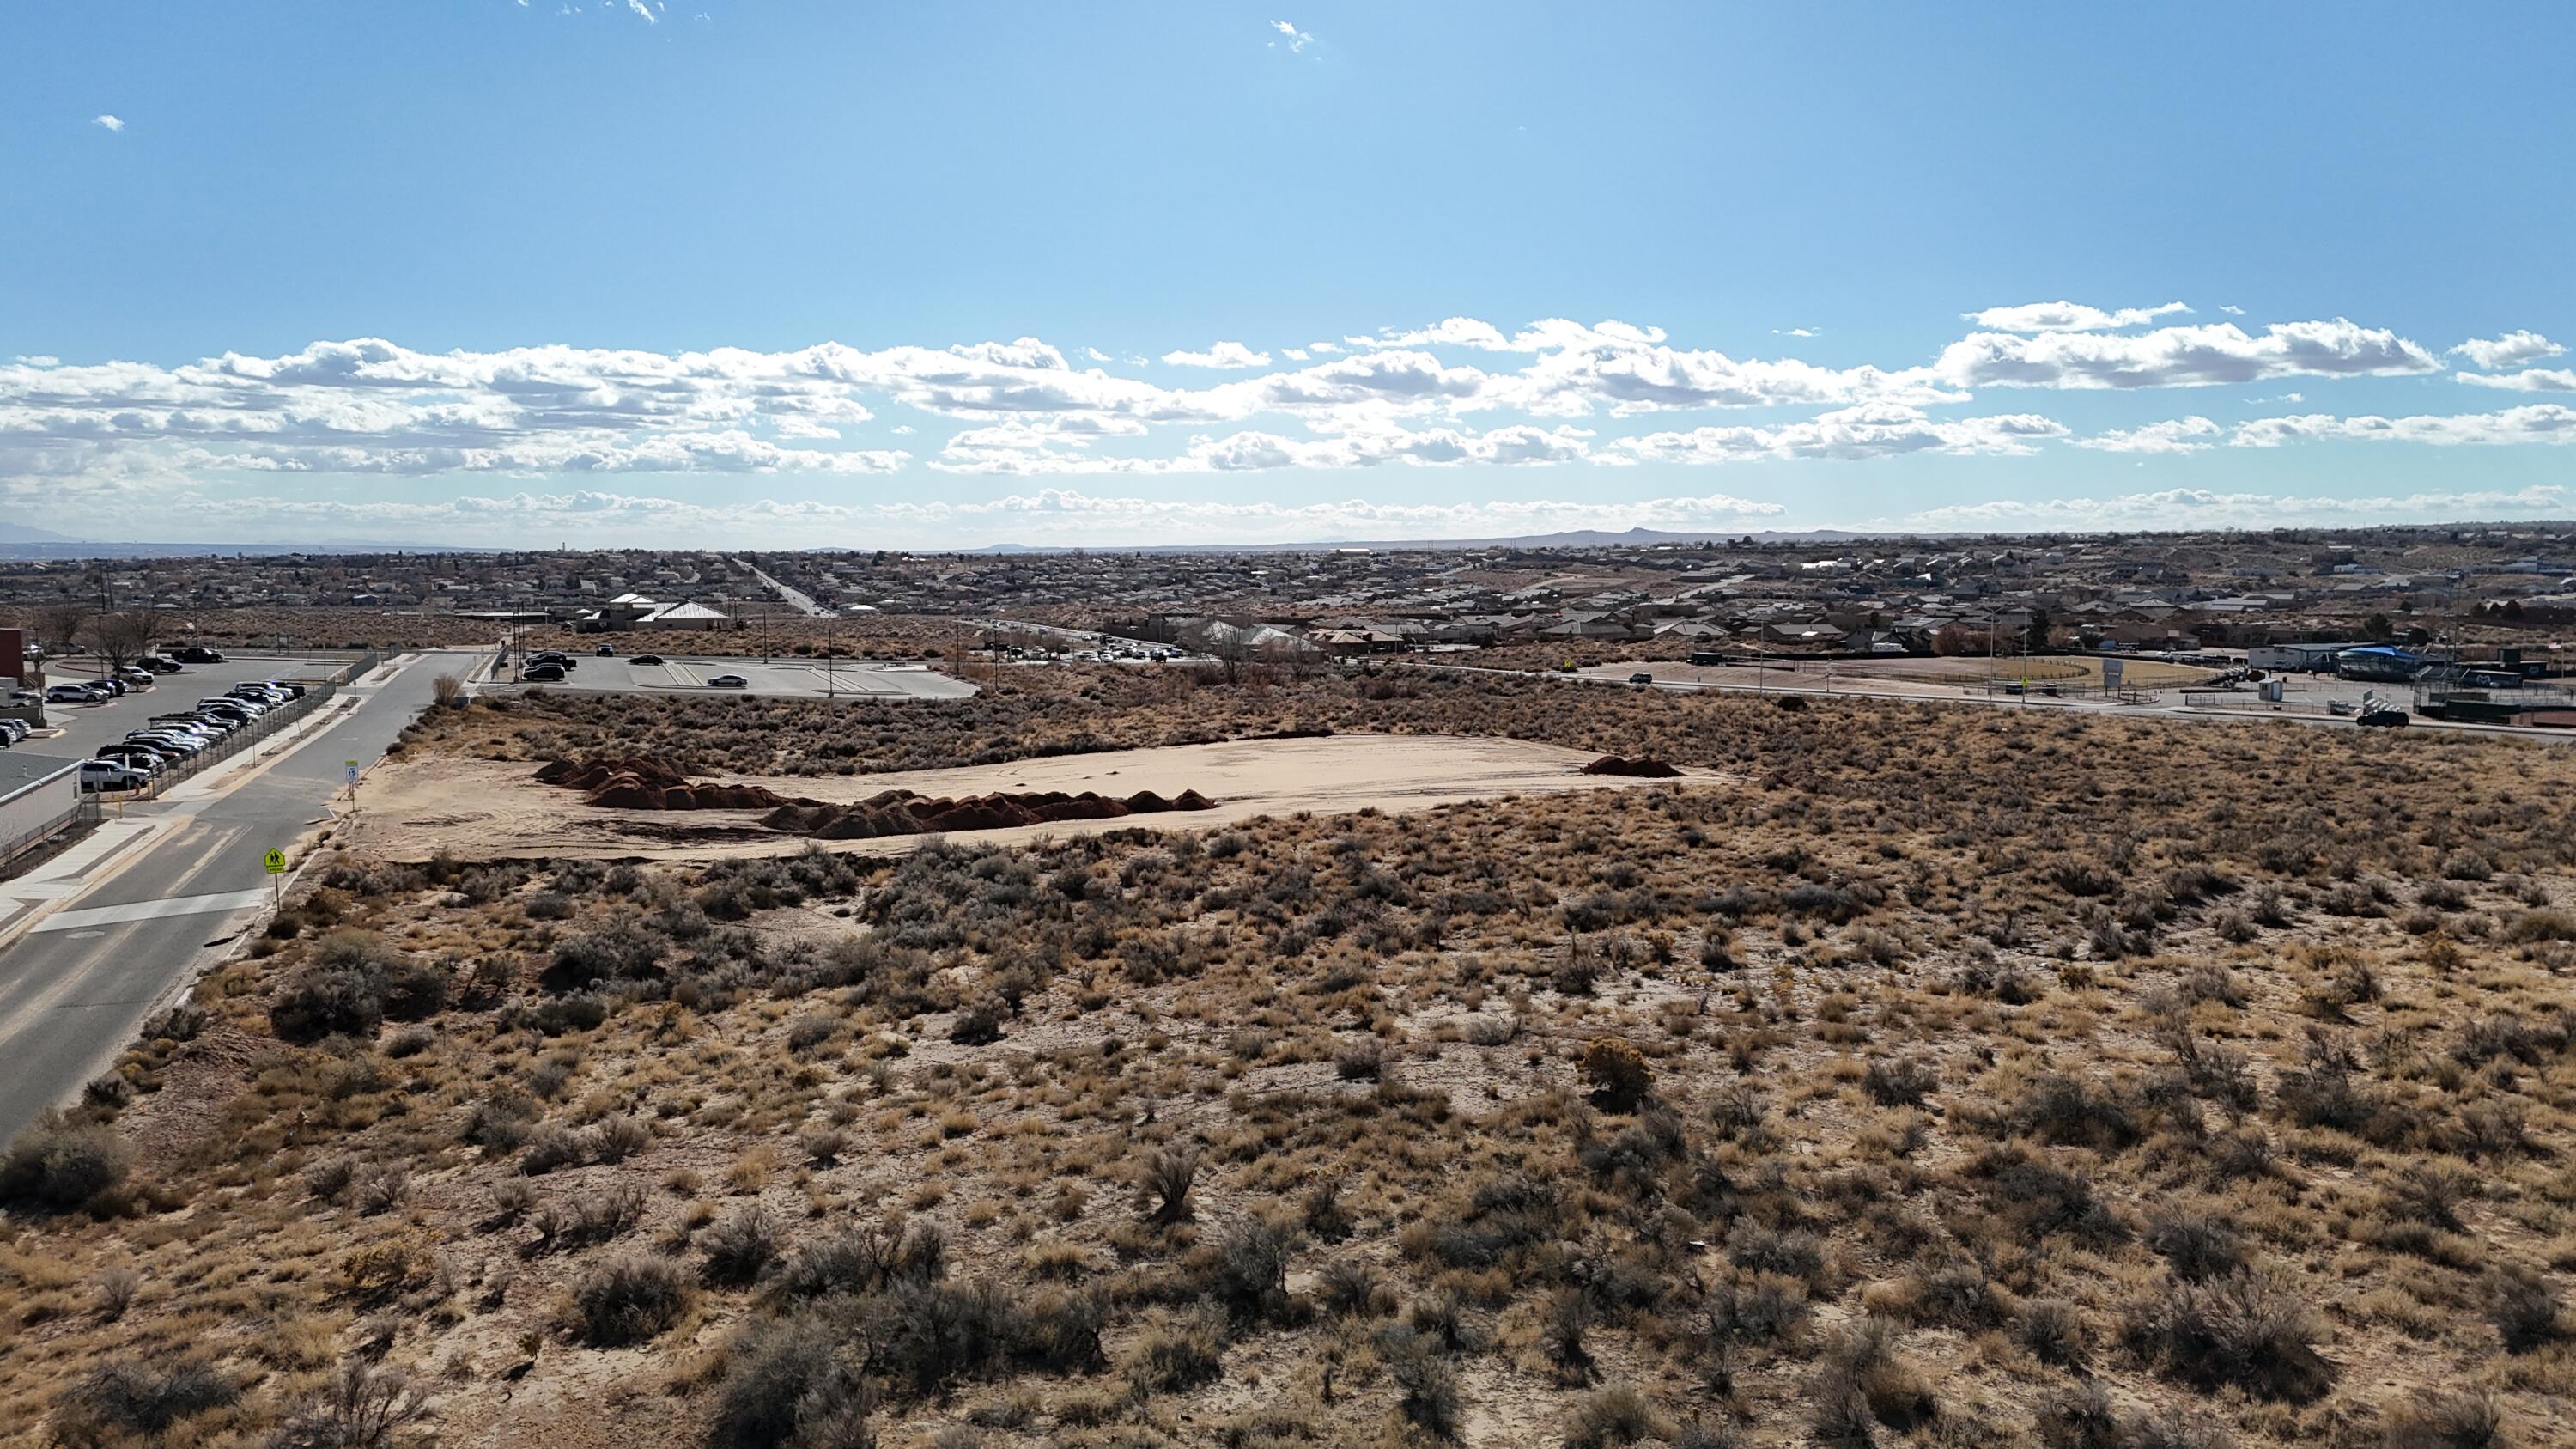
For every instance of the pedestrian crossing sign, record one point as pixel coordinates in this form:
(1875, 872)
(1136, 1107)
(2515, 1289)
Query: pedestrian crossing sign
(277, 862)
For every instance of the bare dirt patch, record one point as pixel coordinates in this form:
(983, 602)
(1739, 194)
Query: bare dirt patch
(476, 809)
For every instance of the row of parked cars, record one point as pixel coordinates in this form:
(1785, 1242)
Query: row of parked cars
(170, 739)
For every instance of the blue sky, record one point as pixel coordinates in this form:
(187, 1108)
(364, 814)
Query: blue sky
(842, 273)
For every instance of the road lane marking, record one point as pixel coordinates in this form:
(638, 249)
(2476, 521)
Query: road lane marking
(151, 910)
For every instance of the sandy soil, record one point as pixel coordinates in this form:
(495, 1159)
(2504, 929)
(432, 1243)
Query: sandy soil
(477, 809)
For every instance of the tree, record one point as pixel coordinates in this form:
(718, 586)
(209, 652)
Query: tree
(2378, 627)
(125, 635)
(58, 624)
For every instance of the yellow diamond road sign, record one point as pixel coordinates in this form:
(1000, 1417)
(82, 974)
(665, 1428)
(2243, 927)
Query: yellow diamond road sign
(277, 862)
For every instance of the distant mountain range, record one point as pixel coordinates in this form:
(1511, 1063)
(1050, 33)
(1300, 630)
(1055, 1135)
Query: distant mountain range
(26, 541)
(1579, 538)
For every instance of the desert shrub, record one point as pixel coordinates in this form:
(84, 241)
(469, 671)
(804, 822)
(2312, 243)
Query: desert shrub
(116, 1290)
(1501, 1217)
(1617, 1074)
(2052, 1329)
(1861, 1381)
(2524, 1309)
(1756, 1308)
(1169, 1174)
(629, 1300)
(2243, 1330)
(2195, 1244)
(615, 1139)
(1175, 1357)
(1249, 1272)
(320, 1001)
(1361, 1061)
(133, 1397)
(1618, 1414)
(57, 1169)
(362, 1407)
(2445, 1421)
(1899, 1083)
(791, 1383)
(592, 1218)
(925, 1335)
(742, 1245)
(1352, 1288)
(549, 1148)
(1429, 1385)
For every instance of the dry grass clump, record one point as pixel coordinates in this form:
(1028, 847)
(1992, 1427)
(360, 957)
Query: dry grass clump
(1964, 1078)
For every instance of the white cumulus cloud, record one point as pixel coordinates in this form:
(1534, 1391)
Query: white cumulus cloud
(2192, 356)
(1223, 355)
(2511, 350)
(107, 123)
(2176, 435)
(1295, 39)
(2067, 317)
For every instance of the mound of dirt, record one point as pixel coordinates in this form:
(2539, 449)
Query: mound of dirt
(898, 812)
(641, 783)
(1644, 767)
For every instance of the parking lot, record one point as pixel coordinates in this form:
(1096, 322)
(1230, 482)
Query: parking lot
(796, 679)
(87, 726)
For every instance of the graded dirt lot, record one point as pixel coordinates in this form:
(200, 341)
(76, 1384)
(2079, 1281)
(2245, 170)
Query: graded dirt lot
(486, 810)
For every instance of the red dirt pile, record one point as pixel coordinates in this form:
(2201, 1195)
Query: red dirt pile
(640, 783)
(1643, 767)
(898, 812)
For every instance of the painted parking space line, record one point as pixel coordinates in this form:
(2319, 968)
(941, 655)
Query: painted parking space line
(151, 910)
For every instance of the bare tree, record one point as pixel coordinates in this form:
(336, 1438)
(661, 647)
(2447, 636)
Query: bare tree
(58, 624)
(124, 635)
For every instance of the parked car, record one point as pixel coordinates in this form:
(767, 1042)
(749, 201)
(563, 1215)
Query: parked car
(111, 775)
(197, 654)
(553, 656)
(14, 730)
(135, 674)
(138, 757)
(69, 694)
(606, 651)
(26, 696)
(728, 681)
(159, 663)
(645, 659)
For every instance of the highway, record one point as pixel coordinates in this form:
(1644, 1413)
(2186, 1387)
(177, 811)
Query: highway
(76, 986)
(802, 603)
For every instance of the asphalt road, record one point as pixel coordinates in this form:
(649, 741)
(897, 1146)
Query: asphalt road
(71, 999)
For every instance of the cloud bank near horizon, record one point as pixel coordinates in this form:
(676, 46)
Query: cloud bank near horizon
(347, 435)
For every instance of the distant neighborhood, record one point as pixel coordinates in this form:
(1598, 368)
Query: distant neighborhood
(1737, 597)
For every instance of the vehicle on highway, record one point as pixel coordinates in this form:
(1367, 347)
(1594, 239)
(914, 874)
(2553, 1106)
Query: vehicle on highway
(110, 775)
(728, 681)
(606, 651)
(645, 659)
(197, 654)
(1641, 677)
(2382, 717)
(542, 673)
